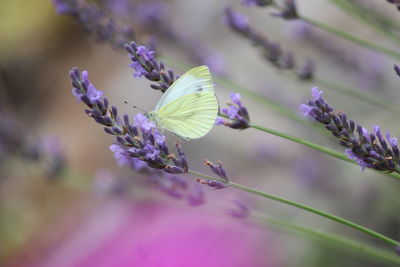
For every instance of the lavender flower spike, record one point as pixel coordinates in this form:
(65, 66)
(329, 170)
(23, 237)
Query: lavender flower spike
(95, 21)
(236, 112)
(272, 51)
(144, 64)
(369, 150)
(138, 143)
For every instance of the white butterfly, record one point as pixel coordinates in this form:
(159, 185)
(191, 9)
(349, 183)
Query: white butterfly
(189, 107)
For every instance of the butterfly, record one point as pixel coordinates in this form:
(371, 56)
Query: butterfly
(189, 107)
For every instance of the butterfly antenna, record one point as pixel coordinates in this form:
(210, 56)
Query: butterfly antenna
(136, 107)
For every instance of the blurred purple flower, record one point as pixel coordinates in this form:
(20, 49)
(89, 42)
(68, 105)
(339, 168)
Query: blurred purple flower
(95, 21)
(272, 51)
(240, 210)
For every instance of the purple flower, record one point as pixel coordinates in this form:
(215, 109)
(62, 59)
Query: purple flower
(369, 150)
(144, 52)
(217, 169)
(271, 51)
(142, 122)
(392, 140)
(139, 70)
(151, 151)
(212, 183)
(219, 121)
(350, 154)
(139, 145)
(232, 112)
(94, 94)
(196, 195)
(144, 64)
(61, 6)
(240, 211)
(236, 20)
(120, 155)
(77, 95)
(249, 2)
(306, 109)
(236, 112)
(95, 21)
(235, 97)
(315, 93)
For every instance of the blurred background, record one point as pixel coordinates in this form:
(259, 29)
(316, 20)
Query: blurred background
(64, 201)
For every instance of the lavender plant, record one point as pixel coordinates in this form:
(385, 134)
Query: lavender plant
(239, 23)
(369, 150)
(141, 143)
(15, 143)
(236, 112)
(95, 21)
(272, 51)
(144, 64)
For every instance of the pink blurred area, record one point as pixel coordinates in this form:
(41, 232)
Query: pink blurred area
(152, 234)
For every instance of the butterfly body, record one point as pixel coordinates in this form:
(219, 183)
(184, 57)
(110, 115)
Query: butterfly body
(189, 107)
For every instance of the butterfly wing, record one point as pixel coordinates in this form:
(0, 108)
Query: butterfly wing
(190, 116)
(195, 80)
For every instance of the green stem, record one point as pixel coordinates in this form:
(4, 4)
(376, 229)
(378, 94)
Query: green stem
(351, 38)
(303, 207)
(370, 17)
(314, 146)
(339, 242)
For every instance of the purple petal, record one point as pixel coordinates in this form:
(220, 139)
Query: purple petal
(315, 93)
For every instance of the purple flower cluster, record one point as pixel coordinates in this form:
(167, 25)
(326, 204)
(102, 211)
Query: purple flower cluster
(369, 150)
(95, 21)
(144, 64)
(236, 112)
(218, 170)
(138, 143)
(272, 51)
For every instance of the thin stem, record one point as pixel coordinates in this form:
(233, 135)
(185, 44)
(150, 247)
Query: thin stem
(303, 207)
(314, 146)
(370, 17)
(351, 38)
(339, 242)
